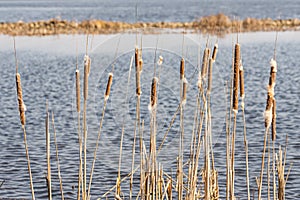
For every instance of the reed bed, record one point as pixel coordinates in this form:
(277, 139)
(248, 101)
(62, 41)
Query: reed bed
(196, 175)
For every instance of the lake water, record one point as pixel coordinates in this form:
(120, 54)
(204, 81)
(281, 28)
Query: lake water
(47, 67)
(154, 10)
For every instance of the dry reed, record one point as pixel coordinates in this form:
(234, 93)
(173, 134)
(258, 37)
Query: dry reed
(77, 74)
(274, 120)
(57, 160)
(106, 96)
(48, 177)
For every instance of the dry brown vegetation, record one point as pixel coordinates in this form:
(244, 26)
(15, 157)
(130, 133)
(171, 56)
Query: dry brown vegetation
(215, 24)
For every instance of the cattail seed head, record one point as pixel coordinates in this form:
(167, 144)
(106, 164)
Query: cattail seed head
(182, 69)
(273, 71)
(184, 91)
(138, 70)
(77, 90)
(274, 120)
(242, 87)
(215, 51)
(153, 98)
(237, 58)
(86, 76)
(136, 57)
(108, 86)
(21, 105)
(205, 63)
(209, 86)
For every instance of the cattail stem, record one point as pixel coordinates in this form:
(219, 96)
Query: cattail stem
(87, 64)
(77, 74)
(106, 96)
(48, 154)
(80, 180)
(138, 90)
(28, 164)
(274, 120)
(57, 160)
(118, 182)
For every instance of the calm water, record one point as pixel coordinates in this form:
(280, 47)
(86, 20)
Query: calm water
(154, 10)
(47, 67)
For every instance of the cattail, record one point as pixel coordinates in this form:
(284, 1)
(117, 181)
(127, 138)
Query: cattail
(153, 98)
(78, 89)
(182, 69)
(184, 90)
(215, 51)
(210, 75)
(237, 58)
(87, 66)
(274, 120)
(136, 57)
(108, 86)
(204, 63)
(160, 60)
(242, 88)
(272, 79)
(22, 107)
(138, 72)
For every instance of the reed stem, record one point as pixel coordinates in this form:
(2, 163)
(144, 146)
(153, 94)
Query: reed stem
(48, 154)
(57, 160)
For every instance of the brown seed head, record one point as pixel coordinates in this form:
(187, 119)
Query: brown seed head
(209, 86)
(154, 92)
(136, 57)
(215, 51)
(205, 63)
(273, 71)
(237, 58)
(21, 104)
(86, 76)
(182, 69)
(108, 86)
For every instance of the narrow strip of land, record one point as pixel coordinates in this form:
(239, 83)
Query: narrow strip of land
(215, 24)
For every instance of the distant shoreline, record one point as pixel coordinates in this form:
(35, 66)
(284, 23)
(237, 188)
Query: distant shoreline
(219, 24)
